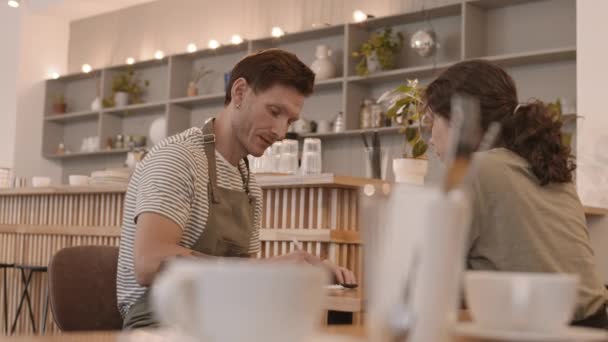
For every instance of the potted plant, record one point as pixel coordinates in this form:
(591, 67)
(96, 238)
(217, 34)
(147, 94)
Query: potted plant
(197, 76)
(405, 107)
(378, 52)
(127, 87)
(59, 105)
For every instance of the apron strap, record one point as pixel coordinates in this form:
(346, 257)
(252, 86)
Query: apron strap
(209, 143)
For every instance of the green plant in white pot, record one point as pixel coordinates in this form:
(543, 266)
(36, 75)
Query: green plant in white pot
(379, 52)
(404, 106)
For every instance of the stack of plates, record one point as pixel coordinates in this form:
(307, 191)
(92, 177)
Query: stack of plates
(111, 177)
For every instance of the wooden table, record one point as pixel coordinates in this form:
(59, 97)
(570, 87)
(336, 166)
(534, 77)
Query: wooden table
(331, 333)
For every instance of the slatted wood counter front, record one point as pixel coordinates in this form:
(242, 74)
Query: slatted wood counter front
(320, 211)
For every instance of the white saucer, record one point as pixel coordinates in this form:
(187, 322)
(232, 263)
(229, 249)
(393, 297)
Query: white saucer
(569, 334)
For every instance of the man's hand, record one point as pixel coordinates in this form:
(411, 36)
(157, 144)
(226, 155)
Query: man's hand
(341, 274)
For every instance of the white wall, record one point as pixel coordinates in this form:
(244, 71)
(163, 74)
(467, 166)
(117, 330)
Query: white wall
(170, 25)
(43, 46)
(592, 134)
(9, 36)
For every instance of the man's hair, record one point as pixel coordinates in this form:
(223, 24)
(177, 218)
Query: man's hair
(266, 68)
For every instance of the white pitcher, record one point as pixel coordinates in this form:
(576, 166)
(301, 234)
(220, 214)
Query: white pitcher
(323, 67)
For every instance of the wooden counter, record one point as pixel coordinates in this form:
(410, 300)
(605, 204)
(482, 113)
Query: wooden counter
(320, 211)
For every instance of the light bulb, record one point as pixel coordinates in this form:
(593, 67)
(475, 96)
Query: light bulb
(14, 3)
(214, 44)
(54, 75)
(236, 39)
(359, 16)
(86, 68)
(191, 48)
(277, 32)
(130, 60)
(159, 54)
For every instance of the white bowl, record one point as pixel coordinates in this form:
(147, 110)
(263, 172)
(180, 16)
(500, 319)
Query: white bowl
(521, 301)
(78, 180)
(38, 182)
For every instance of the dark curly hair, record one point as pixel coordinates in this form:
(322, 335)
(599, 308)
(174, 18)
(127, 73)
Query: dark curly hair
(529, 130)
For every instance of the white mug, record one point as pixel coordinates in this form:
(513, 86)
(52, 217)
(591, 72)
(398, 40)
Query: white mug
(542, 302)
(323, 126)
(238, 300)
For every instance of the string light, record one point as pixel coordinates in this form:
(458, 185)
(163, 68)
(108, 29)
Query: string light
(214, 44)
(236, 39)
(159, 54)
(86, 68)
(277, 32)
(191, 48)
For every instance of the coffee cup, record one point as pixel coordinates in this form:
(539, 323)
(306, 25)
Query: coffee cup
(236, 300)
(323, 126)
(512, 301)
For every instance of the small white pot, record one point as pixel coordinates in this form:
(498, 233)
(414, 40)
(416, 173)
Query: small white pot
(373, 64)
(408, 170)
(121, 99)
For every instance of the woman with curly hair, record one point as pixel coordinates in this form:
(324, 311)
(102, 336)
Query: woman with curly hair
(527, 216)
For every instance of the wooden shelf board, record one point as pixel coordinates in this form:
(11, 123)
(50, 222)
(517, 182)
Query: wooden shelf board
(193, 101)
(140, 108)
(73, 116)
(534, 57)
(325, 179)
(65, 189)
(344, 300)
(400, 74)
(86, 154)
(310, 234)
(595, 211)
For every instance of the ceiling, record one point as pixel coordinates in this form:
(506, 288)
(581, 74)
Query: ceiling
(78, 9)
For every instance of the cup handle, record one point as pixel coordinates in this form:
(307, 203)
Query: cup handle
(174, 294)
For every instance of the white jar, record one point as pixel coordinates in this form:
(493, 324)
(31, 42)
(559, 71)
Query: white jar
(323, 67)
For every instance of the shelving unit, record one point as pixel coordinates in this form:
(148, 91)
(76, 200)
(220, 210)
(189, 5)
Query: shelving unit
(539, 54)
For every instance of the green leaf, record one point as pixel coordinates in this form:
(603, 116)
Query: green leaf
(411, 134)
(419, 149)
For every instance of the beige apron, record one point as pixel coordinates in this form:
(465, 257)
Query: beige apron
(227, 233)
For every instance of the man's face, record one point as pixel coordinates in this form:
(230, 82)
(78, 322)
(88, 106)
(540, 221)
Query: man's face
(264, 118)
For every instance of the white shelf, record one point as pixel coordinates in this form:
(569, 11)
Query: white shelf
(193, 101)
(141, 108)
(352, 132)
(317, 33)
(399, 74)
(73, 116)
(86, 154)
(402, 19)
(329, 83)
(534, 57)
(489, 4)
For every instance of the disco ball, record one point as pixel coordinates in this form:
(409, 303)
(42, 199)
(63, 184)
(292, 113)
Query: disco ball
(423, 42)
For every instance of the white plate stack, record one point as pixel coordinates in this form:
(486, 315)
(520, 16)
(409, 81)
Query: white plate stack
(111, 177)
